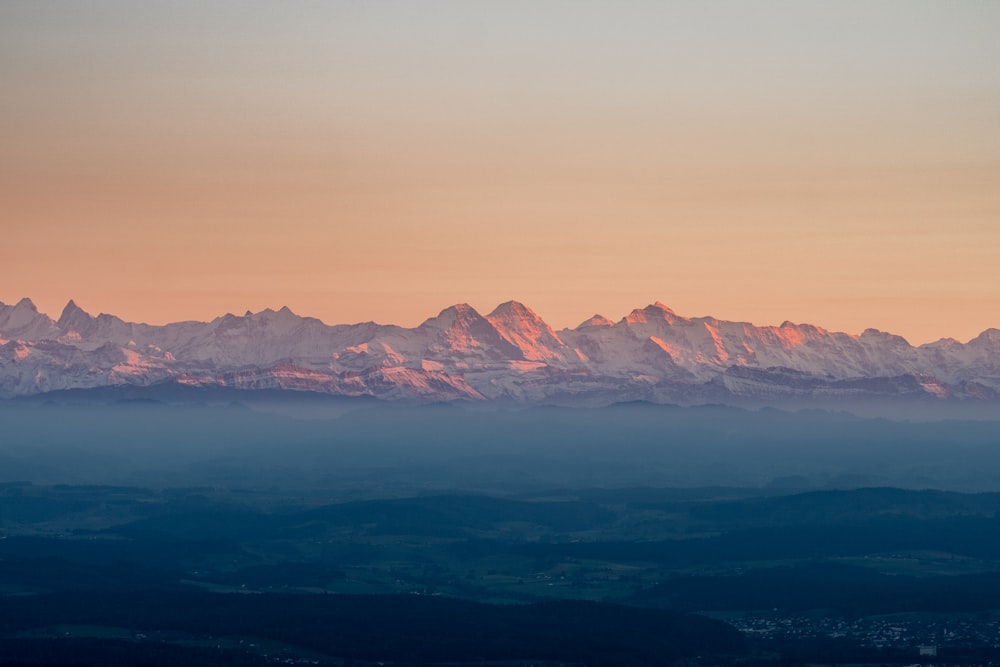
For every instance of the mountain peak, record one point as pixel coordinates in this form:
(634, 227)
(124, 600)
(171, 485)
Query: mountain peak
(872, 334)
(461, 314)
(988, 336)
(73, 314)
(654, 311)
(463, 330)
(284, 314)
(460, 311)
(525, 330)
(596, 320)
(23, 320)
(514, 310)
(26, 303)
(513, 315)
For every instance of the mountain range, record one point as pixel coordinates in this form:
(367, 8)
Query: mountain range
(511, 354)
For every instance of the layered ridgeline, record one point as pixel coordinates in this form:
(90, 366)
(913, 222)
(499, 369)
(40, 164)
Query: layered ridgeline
(511, 354)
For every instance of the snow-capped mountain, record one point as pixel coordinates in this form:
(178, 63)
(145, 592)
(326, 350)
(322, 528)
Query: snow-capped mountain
(651, 354)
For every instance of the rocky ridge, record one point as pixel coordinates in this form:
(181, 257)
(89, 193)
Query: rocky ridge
(650, 354)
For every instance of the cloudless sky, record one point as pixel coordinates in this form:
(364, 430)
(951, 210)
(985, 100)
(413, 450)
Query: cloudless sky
(836, 162)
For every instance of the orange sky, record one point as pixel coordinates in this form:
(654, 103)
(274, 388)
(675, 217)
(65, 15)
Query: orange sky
(834, 162)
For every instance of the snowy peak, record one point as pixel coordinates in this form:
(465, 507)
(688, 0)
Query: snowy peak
(23, 321)
(459, 315)
(513, 310)
(653, 313)
(874, 335)
(462, 331)
(989, 337)
(460, 312)
(521, 327)
(595, 320)
(25, 304)
(79, 327)
(513, 316)
(73, 316)
(458, 320)
(284, 316)
(284, 312)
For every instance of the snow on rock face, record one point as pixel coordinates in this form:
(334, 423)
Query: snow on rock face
(522, 328)
(417, 383)
(35, 367)
(651, 354)
(461, 332)
(595, 320)
(367, 355)
(654, 313)
(23, 321)
(74, 317)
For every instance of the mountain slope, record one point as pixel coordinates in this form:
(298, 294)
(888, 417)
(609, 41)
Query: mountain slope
(651, 354)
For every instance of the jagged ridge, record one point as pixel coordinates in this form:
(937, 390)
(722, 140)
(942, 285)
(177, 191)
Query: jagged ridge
(651, 354)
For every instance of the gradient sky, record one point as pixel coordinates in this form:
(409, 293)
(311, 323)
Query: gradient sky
(836, 162)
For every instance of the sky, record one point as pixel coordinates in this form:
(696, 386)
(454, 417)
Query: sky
(836, 163)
